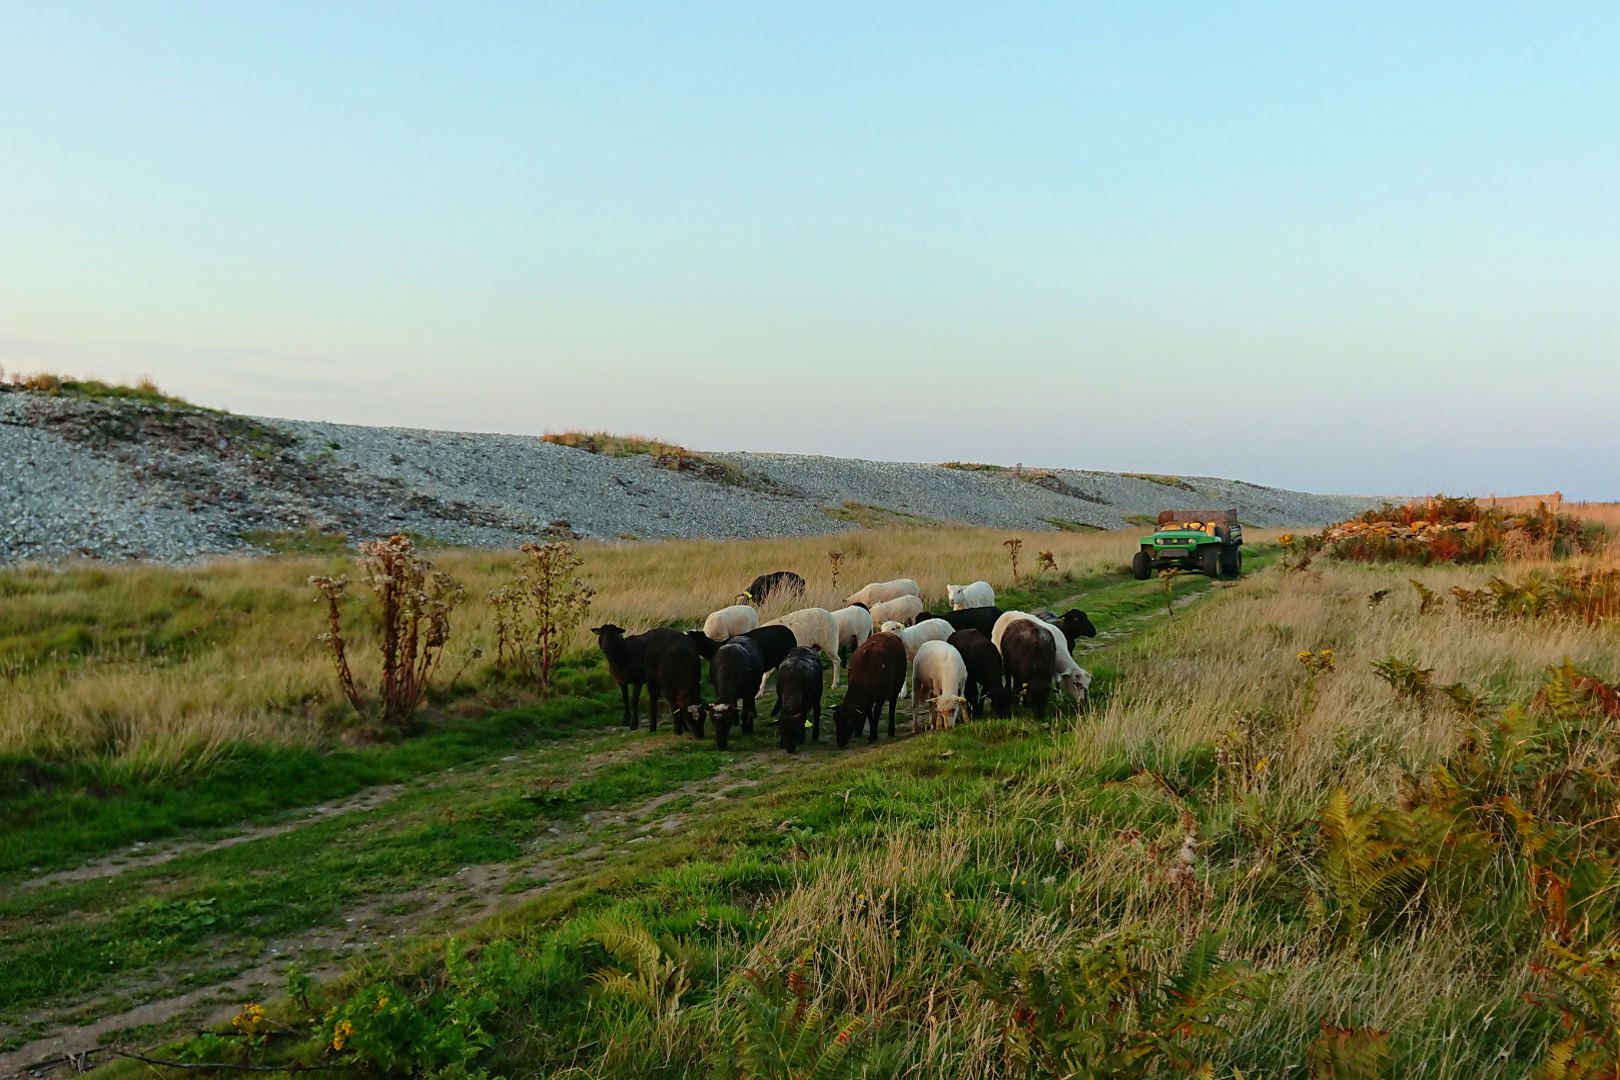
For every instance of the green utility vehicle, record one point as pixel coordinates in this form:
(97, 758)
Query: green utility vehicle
(1202, 541)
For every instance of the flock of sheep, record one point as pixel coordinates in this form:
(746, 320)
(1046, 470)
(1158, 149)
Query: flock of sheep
(947, 663)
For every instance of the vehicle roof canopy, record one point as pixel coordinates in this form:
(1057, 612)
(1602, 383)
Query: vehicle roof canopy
(1226, 517)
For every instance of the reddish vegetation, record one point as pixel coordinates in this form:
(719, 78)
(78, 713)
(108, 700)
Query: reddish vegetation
(1442, 530)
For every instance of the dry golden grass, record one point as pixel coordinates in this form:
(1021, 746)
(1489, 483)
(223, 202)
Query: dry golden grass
(641, 585)
(1225, 672)
(1346, 729)
(1603, 513)
(252, 670)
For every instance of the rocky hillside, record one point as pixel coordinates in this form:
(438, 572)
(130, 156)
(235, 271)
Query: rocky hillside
(163, 480)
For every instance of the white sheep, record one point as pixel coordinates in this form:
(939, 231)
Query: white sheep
(730, 621)
(813, 628)
(902, 609)
(914, 636)
(941, 683)
(978, 594)
(879, 591)
(1073, 680)
(854, 626)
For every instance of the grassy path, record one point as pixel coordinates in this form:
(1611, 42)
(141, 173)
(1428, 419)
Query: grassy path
(134, 949)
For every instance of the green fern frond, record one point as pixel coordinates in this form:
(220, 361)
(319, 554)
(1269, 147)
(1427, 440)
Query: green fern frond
(627, 942)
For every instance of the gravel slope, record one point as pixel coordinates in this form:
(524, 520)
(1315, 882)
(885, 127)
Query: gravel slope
(130, 480)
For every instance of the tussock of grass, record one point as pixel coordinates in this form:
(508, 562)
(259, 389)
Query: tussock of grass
(145, 390)
(305, 542)
(1165, 481)
(665, 455)
(1071, 526)
(610, 445)
(867, 516)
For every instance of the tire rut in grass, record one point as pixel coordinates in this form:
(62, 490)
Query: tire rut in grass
(471, 894)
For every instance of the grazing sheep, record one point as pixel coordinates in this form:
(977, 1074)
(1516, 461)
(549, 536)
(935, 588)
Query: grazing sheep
(982, 619)
(902, 609)
(1029, 656)
(1074, 680)
(798, 693)
(879, 591)
(854, 626)
(730, 621)
(680, 676)
(924, 616)
(1073, 623)
(703, 643)
(914, 636)
(877, 670)
(632, 665)
(775, 641)
(777, 583)
(735, 671)
(815, 628)
(978, 594)
(941, 677)
(985, 674)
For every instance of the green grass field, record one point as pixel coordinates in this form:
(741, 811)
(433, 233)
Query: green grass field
(1166, 884)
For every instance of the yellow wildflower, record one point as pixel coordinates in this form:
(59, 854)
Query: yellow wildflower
(341, 1033)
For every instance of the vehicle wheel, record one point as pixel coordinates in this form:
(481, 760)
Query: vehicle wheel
(1210, 560)
(1141, 566)
(1232, 562)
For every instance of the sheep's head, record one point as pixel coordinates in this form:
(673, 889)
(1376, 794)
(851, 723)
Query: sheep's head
(846, 720)
(722, 723)
(1076, 625)
(695, 715)
(1076, 686)
(945, 706)
(607, 631)
(954, 593)
(891, 626)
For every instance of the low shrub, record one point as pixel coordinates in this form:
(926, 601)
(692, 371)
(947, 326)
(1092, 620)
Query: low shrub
(1445, 530)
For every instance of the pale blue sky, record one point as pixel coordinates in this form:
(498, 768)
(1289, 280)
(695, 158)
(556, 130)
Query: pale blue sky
(1366, 248)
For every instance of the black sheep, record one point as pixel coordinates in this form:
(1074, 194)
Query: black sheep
(877, 672)
(703, 643)
(798, 695)
(774, 642)
(632, 660)
(985, 674)
(777, 583)
(679, 674)
(626, 659)
(1029, 656)
(1073, 623)
(982, 619)
(655, 643)
(735, 672)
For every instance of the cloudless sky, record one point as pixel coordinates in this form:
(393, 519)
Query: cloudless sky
(1364, 248)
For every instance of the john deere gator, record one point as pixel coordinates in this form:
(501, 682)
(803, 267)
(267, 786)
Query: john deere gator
(1196, 541)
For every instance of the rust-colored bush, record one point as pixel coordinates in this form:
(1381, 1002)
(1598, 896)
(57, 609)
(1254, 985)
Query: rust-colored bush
(414, 601)
(542, 606)
(1442, 530)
